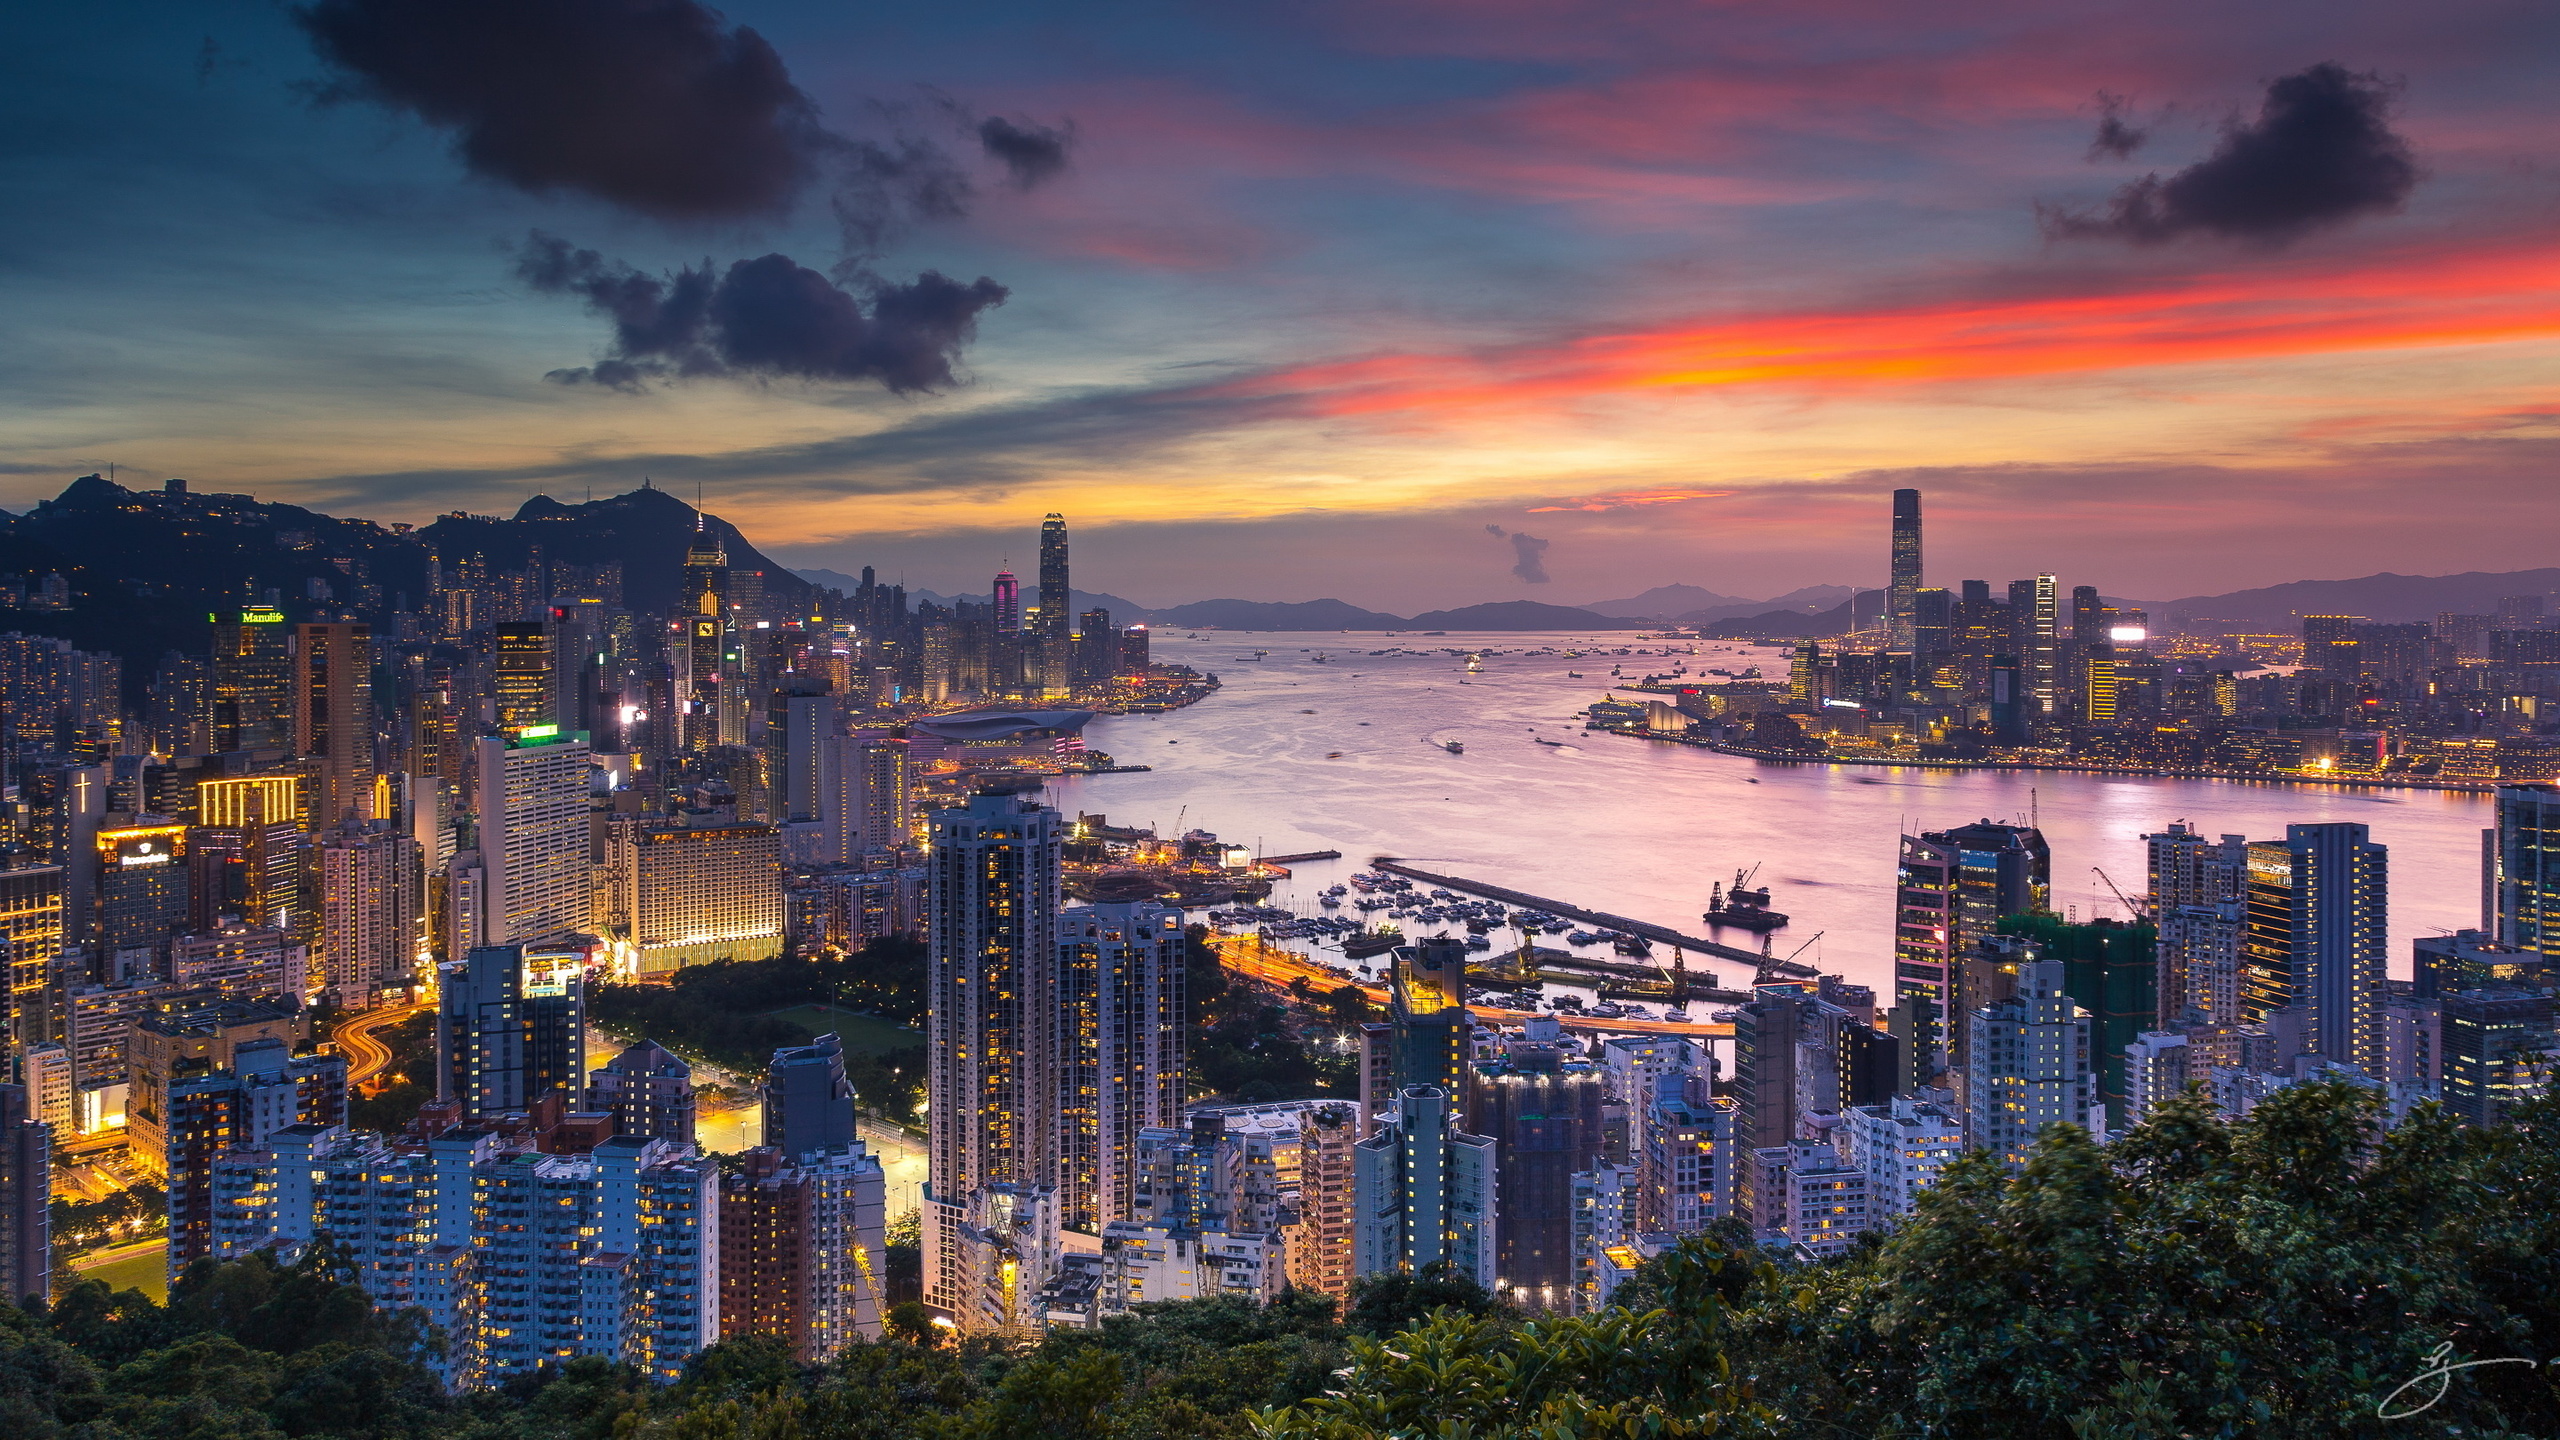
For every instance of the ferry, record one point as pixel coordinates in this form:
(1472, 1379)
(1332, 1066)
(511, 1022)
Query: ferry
(1453, 747)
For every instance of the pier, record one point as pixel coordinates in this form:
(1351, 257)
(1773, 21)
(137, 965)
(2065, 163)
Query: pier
(1300, 859)
(1658, 934)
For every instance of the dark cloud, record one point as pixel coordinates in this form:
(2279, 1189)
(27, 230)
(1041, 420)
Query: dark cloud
(1030, 153)
(2118, 137)
(655, 105)
(769, 317)
(1528, 553)
(2320, 153)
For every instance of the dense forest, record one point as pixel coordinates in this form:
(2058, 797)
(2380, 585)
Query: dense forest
(2300, 1274)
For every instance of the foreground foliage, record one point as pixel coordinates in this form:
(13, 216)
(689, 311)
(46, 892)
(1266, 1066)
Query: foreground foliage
(2281, 1277)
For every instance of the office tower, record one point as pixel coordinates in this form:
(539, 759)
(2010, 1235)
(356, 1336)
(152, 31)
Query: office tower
(2520, 883)
(253, 683)
(1953, 887)
(31, 947)
(142, 896)
(1122, 1048)
(533, 836)
(371, 879)
(2042, 650)
(702, 680)
(1902, 1145)
(2317, 907)
(2028, 1065)
(247, 962)
(2097, 683)
(1097, 646)
(808, 1103)
(1544, 1118)
(1423, 1192)
(1134, 658)
(2329, 643)
(2198, 891)
(26, 1200)
(263, 1089)
(1006, 599)
(510, 1028)
(993, 1033)
(523, 675)
(801, 1249)
(520, 1259)
(881, 774)
(169, 1044)
(333, 717)
(805, 737)
(1903, 590)
(695, 894)
(1766, 1047)
(648, 1092)
(234, 801)
(251, 871)
(1050, 643)
(2495, 1042)
(181, 705)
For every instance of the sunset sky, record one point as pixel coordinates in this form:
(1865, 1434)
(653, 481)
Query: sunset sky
(1321, 299)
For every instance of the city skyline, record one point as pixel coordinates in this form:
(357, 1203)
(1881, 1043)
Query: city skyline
(1578, 285)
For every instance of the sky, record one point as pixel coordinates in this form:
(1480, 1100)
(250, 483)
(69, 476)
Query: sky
(1407, 302)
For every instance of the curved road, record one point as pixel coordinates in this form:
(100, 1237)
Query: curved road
(368, 1057)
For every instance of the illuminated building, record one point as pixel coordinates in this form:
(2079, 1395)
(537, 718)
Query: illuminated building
(696, 894)
(26, 1200)
(1686, 1151)
(2198, 887)
(238, 800)
(992, 1034)
(1423, 1192)
(264, 1088)
(510, 1028)
(703, 679)
(520, 1259)
(1425, 1038)
(252, 692)
(1903, 1146)
(2028, 1065)
(371, 879)
(1049, 641)
(1122, 1049)
(250, 962)
(648, 1092)
(808, 1103)
(1544, 1120)
(1903, 590)
(142, 896)
(1604, 1219)
(523, 679)
(184, 1040)
(1097, 646)
(2329, 643)
(802, 1249)
(31, 947)
(333, 717)
(533, 836)
(1951, 889)
(2098, 684)
(2523, 861)
(2496, 1045)
(2317, 906)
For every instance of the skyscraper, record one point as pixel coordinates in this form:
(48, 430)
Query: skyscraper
(993, 1032)
(1544, 1117)
(702, 681)
(333, 717)
(1903, 590)
(1951, 890)
(1425, 1038)
(510, 1029)
(31, 947)
(1122, 1049)
(252, 681)
(1424, 1192)
(2520, 881)
(533, 835)
(801, 1241)
(523, 679)
(371, 884)
(1050, 643)
(2198, 892)
(2028, 1065)
(142, 896)
(26, 1199)
(242, 1105)
(808, 1103)
(2318, 904)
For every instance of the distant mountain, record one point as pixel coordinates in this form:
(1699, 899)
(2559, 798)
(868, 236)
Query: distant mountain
(1517, 615)
(1796, 624)
(647, 531)
(1123, 611)
(2384, 598)
(1663, 601)
(831, 580)
(1275, 615)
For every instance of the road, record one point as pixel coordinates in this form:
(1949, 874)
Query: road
(1246, 956)
(367, 1056)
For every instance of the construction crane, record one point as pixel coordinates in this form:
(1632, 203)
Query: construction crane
(1769, 963)
(2137, 909)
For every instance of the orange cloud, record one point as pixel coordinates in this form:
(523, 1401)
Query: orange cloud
(2403, 301)
(1628, 499)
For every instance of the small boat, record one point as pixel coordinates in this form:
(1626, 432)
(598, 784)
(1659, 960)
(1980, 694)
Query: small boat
(1453, 747)
(1361, 947)
(1333, 754)
(1632, 945)
(1541, 740)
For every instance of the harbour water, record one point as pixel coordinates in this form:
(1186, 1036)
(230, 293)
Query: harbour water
(1294, 754)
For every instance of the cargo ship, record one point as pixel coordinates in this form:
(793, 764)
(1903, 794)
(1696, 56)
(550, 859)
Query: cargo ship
(1743, 907)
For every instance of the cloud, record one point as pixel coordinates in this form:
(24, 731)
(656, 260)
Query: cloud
(1529, 553)
(769, 317)
(2117, 137)
(1631, 499)
(1029, 152)
(2321, 153)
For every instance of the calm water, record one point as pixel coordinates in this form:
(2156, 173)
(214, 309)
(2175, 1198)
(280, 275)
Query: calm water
(1642, 827)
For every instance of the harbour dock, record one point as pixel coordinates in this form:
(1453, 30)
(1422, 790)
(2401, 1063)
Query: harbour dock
(1658, 934)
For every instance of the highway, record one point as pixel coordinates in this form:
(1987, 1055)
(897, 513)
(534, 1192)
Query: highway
(1247, 956)
(368, 1057)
